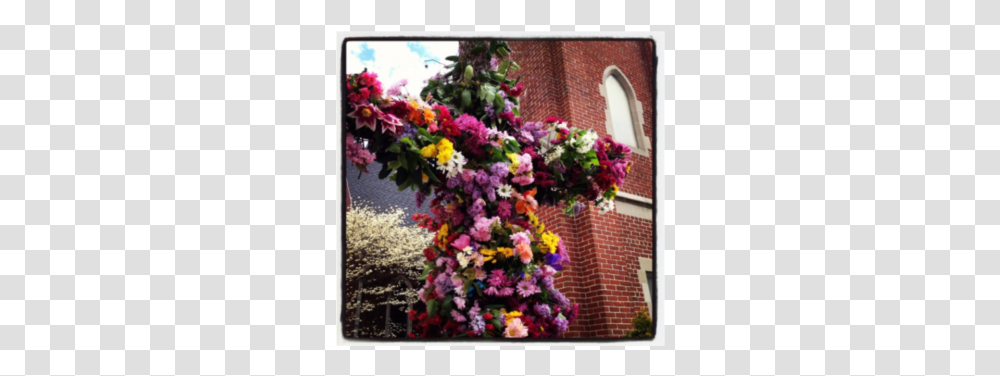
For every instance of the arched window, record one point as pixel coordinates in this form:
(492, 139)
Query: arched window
(623, 113)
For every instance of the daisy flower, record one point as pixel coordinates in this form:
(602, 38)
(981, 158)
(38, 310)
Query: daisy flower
(504, 190)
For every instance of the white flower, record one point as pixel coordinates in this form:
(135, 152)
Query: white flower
(586, 142)
(554, 154)
(605, 206)
(504, 190)
(453, 166)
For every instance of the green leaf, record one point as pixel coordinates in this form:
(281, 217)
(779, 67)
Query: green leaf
(432, 307)
(401, 176)
(496, 323)
(423, 132)
(447, 307)
(503, 67)
(451, 58)
(431, 176)
(394, 148)
(393, 165)
(466, 98)
(384, 172)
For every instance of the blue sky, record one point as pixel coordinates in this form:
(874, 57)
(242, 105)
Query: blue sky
(393, 61)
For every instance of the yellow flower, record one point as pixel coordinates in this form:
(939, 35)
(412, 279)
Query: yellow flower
(445, 149)
(443, 233)
(614, 188)
(424, 177)
(429, 151)
(551, 241)
(512, 315)
(506, 252)
(533, 219)
(487, 253)
(514, 162)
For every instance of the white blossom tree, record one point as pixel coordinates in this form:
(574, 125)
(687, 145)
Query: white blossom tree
(384, 260)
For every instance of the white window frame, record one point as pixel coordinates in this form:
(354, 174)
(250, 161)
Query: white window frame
(643, 143)
(646, 265)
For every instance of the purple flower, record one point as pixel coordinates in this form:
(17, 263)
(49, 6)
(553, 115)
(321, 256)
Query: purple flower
(543, 310)
(494, 181)
(478, 324)
(453, 182)
(482, 178)
(420, 196)
(561, 325)
(408, 131)
(578, 208)
(548, 282)
(491, 194)
(476, 209)
(491, 111)
(500, 169)
(559, 297)
(552, 259)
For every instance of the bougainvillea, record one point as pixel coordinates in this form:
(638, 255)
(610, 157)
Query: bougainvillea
(490, 269)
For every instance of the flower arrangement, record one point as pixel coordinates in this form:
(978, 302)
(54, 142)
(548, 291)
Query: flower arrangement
(490, 269)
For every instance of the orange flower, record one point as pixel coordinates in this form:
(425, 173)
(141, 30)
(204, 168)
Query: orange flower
(416, 117)
(527, 203)
(428, 115)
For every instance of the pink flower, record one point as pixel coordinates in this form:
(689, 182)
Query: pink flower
(520, 238)
(358, 155)
(515, 330)
(524, 251)
(481, 230)
(457, 316)
(366, 115)
(526, 288)
(390, 123)
(459, 302)
(523, 179)
(461, 242)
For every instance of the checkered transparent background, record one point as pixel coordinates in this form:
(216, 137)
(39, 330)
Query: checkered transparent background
(167, 187)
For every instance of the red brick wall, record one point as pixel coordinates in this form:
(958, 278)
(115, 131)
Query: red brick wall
(562, 79)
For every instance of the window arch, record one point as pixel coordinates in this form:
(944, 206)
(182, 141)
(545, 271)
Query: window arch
(623, 111)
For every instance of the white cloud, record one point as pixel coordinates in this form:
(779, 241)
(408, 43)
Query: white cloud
(394, 61)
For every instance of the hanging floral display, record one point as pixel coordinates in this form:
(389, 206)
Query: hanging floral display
(491, 267)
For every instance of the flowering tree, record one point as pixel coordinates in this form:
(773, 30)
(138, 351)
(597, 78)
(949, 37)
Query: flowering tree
(490, 269)
(381, 250)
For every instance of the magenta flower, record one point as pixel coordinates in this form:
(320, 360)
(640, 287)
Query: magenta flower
(461, 242)
(366, 115)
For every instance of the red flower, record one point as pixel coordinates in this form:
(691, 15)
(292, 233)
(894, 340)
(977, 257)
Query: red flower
(488, 316)
(489, 326)
(429, 253)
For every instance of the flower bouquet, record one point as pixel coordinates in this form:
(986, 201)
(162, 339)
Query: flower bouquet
(490, 270)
